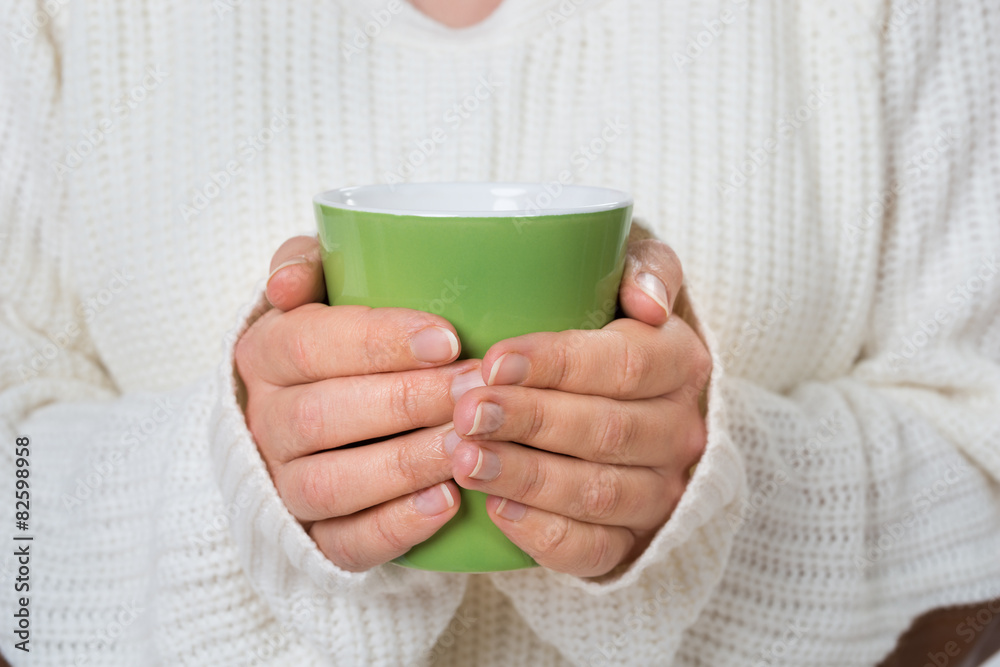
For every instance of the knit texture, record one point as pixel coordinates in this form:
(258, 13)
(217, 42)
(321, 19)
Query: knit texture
(827, 171)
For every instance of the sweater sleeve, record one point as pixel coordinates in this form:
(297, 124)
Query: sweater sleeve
(844, 508)
(157, 535)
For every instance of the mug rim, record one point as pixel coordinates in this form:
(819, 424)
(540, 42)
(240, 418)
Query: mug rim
(593, 199)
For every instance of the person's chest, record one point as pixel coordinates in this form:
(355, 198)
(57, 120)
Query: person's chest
(196, 138)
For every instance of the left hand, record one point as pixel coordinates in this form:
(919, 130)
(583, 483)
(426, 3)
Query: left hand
(584, 439)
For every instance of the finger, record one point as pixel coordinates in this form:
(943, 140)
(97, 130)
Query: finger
(626, 360)
(360, 541)
(558, 542)
(308, 418)
(651, 281)
(316, 342)
(296, 274)
(650, 432)
(609, 495)
(341, 482)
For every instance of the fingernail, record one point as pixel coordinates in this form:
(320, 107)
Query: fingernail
(654, 288)
(434, 500)
(434, 344)
(487, 466)
(464, 382)
(451, 440)
(510, 368)
(511, 510)
(489, 417)
(294, 261)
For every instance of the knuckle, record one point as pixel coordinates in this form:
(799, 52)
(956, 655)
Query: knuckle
(701, 363)
(552, 539)
(537, 422)
(386, 535)
(696, 442)
(566, 356)
(700, 356)
(346, 554)
(243, 353)
(315, 491)
(601, 494)
(632, 365)
(401, 464)
(406, 400)
(599, 558)
(619, 429)
(561, 364)
(530, 482)
(247, 349)
(376, 345)
(306, 418)
(300, 350)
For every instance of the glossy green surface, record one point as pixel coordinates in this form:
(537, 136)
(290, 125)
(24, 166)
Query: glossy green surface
(492, 278)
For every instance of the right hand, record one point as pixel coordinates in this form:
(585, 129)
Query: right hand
(321, 377)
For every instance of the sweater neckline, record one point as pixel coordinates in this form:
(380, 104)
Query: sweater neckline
(512, 20)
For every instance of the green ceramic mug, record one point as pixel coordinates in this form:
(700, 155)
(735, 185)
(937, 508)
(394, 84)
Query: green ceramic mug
(497, 260)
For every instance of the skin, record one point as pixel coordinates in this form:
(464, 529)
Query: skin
(609, 421)
(457, 14)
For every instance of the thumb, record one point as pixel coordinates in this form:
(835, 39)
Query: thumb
(296, 274)
(651, 281)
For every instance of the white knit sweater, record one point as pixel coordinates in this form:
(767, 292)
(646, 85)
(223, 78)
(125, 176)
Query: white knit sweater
(153, 157)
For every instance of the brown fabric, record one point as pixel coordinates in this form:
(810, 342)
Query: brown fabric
(944, 637)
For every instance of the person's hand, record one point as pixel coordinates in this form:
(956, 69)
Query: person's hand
(319, 378)
(585, 439)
